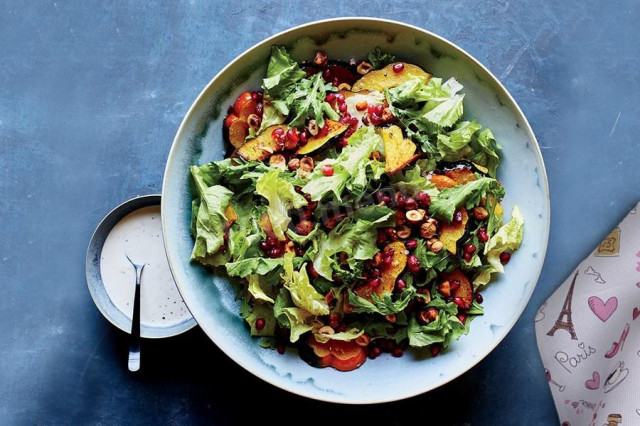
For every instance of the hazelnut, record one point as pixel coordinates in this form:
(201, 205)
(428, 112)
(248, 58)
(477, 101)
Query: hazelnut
(375, 155)
(387, 115)
(364, 67)
(415, 216)
(428, 229)
(304, 227)
(254, 121)
(426, 295)
(437, 246)
(277, 160)
(403, 232)
(326, 330)
(320, 59)
(344, 86)
(362, 105)
(294, 164)
(480, 213)
(312, 127)
(290, 247)
(428, 315)
(391, 318)
(363, 340)
(307, 164)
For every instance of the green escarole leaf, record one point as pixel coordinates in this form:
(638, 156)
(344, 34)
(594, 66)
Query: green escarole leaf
(469, 195)
(303, 294)
(282, 196)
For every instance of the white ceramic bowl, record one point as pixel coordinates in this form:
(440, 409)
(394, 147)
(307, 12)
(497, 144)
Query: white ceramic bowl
(211, 298)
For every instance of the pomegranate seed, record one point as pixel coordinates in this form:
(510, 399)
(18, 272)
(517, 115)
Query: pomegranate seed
(411, 244)
(277, 133)
(374, 352)
(397, 352)
(375, 119)
(344, 141)
(334, 320)
(400, 200)
(340, 98)
(482, 235)
(458, 302)
(375, 282)
(457, 217)
(272, 241)
(342, 107)
(386, 261)
(400, 218)
(259, 109)
(292, 135)
(398, 67)
(330, 97)
(468, 257)
(505, 257)
(424, 199)
(378, 109)
(264, 246)
(260, 324)
(375, 272)
(454, 285)
(312, 271)
(435, 350)
(303, 137)
(412, 260)
(327, 170)
(389, 345)
(469, 248)
(256, 96)
(410, 204)
(300, 251)
(275, 252)
(400, 284)
(479, 298)
(462, 318)
(281, 349)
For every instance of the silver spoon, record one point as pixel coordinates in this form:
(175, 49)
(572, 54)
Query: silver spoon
(134, 345)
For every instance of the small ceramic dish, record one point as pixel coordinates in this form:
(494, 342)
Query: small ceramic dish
(111, 307)
(210, 297)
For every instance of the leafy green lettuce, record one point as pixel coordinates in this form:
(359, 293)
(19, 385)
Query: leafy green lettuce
(449, 199)
(349, 168)
(281, 196)
(445, 329)
(508, 238)
(382, 305)
(379, 58)
(486, 151)
(297, 320)
(303, 294)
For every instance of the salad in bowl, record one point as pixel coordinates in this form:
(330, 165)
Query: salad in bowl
(358, 212)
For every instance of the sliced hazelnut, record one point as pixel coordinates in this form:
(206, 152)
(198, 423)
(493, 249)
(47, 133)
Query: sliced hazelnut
(326, 330)
(363, 340)
(445, 288)
(428, 229)
(344, 86)
(254, 121)
(426, 295)
(290, 247)
(415, 216)
(480, 213)
(312, 127)
(320, 59)
(387, 115)
(277, 160)
(307, 164)
(391, 318)
(428, 315)
(294, 164)
(437, 246)
(304, 227)
(364, 67)
(375, 155)
(403, 232)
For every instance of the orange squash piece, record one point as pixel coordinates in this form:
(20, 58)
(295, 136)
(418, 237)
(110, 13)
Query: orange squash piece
(261, 147)
(341, 355)
(464, 291)
(386, 77)
(450, 233)
(316, 142)
(442, 181)
(461, 175)
(388, 276)
(398, 151)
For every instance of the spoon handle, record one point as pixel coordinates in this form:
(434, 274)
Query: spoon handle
(134, 346)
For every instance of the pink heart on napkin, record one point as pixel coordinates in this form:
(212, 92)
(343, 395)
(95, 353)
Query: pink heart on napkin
(594, 382)
(603, 310)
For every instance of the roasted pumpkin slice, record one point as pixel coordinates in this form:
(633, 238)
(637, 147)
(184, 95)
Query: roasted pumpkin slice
(389, 275)
(442, 181)
(386, 78)
(461, 175)
(341, 355)
(450, 233)
(231, 215)
(265, 223)
(464, 291)
(398, 151)
(314, 143)
(261, 147)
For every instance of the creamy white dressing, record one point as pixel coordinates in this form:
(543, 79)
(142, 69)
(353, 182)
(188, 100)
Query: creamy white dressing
(373, 97)
(139, 235)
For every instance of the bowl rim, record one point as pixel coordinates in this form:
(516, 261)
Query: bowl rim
(499, 337)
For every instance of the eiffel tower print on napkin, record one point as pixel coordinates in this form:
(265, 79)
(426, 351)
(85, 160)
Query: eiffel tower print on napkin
(588, 333)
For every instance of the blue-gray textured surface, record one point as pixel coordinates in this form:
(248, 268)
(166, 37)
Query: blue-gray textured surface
(91, 94)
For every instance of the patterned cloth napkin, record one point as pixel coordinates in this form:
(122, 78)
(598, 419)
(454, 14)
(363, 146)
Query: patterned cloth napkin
(588, 334)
